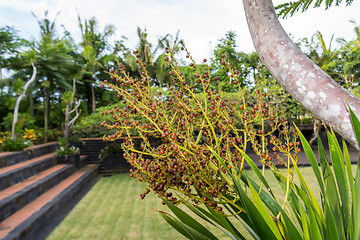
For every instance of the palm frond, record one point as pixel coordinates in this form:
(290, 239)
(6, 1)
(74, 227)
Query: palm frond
(290, 8)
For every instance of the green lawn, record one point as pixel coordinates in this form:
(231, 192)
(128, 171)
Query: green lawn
(112, 209)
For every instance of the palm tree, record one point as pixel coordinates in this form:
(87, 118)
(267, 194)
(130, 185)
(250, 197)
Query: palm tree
(169, 44)
(55, 64)
(93, 46)
(350, 55)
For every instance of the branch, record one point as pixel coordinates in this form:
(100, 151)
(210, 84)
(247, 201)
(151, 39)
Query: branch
(302, 78)
(77, 106)
(71, 123)
(18, 100)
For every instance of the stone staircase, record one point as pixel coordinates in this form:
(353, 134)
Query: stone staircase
(34, 190)
(92, 148)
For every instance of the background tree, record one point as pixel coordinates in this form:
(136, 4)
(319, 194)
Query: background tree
(94, 44)
(227, 47)
(9, 47)
(169, 44)
(56, 65)
(350, 56)
(18, 100)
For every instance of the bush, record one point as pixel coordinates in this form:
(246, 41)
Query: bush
(24, 121)
(8, 145)
(65, 150)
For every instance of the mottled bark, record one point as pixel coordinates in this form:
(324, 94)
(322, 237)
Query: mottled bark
(303, 79)
(18, 100)
(68, 111)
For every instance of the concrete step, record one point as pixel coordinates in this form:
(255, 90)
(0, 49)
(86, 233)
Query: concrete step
(17, 196)
(18, 172)
(29, 221)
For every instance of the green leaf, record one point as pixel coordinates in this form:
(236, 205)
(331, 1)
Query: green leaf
(356, 125)
(310, 197)
(224, 221)
(292, 197)
(257, 171)
(341, 179)
(188, 220)
(262, 229)
(332, 194)
(184, 229)
(311, 157)
(263, 211)
(314, 228)
(331, 228)
(352, 187)
(305, 224)
(209, 220)
(356, 203)
(356, 197)
(269, 200)
(176, 225)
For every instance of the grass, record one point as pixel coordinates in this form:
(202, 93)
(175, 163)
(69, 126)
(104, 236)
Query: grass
(112, 209)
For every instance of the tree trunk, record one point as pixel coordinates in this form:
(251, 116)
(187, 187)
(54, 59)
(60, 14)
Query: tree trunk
(46, 112)
(93, 99)
(66, 125)
(31, 103)
(303, 79)
(18, 100)
(69, 123)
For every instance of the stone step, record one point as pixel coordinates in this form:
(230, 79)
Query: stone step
(29, 221)
(11, 158)
(42, 149)
(110, 172)
(18, 172)
(17, 196)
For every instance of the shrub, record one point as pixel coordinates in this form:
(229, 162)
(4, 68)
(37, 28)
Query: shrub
(65, 150)
(8, 145)
(24, 121)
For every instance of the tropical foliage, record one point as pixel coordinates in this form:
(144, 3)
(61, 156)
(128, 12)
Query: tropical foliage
(59, 60)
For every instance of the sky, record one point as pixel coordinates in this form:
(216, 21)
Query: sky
(201, 22)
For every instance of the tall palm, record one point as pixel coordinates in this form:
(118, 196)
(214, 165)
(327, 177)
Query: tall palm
(55, 63)
(350, 54)
(93, 46)
(144, 46)
(172, 45)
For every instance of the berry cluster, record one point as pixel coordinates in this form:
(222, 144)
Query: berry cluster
(190, 126)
